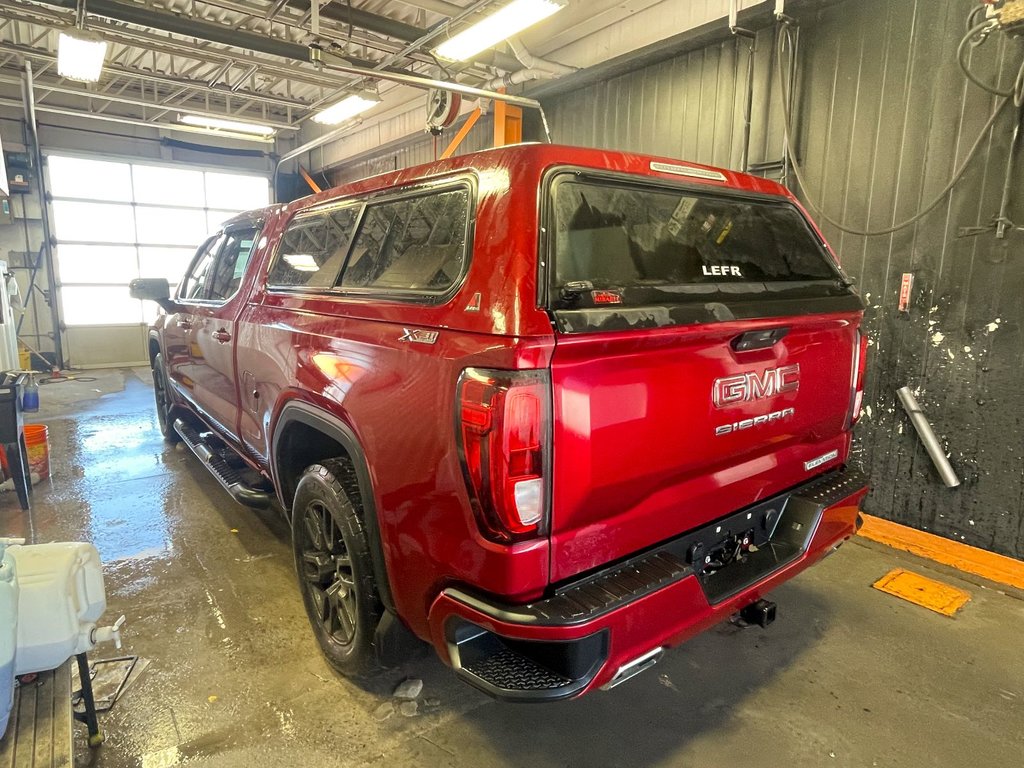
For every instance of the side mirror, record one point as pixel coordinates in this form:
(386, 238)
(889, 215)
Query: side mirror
(153, 289)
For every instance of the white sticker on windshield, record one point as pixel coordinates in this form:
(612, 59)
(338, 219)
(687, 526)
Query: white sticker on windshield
(680, 215)
(686, 170)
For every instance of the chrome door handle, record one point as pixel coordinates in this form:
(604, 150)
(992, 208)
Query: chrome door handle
(185, 325)
(222, 336)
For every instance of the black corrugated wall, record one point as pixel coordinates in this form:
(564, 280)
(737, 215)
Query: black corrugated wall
(883, 118)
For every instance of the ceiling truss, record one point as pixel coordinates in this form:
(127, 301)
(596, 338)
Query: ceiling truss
(150, 76)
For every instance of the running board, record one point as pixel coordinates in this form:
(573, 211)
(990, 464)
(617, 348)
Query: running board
(226, 475)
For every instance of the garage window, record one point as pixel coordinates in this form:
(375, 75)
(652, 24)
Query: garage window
(116, 221)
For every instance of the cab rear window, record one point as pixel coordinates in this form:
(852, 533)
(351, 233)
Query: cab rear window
(631, 244)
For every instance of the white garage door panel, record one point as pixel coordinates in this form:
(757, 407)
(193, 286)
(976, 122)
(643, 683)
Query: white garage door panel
(115, 221)
(113, 345)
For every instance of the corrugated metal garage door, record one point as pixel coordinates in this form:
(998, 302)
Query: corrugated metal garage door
(115, 221)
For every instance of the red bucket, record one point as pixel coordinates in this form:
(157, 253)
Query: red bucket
(37, 443)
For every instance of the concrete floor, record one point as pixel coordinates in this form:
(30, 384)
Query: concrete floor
(847, 676)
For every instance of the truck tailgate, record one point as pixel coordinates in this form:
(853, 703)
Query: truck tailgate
(659, 431)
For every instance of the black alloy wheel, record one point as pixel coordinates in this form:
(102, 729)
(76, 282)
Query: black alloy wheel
(335, 571)
(326, 571)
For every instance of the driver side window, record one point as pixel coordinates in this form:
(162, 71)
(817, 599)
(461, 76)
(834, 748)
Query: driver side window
(193, 287)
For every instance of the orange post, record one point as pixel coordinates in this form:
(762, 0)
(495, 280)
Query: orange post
(309, 180)
(508, 124)
(462, 134)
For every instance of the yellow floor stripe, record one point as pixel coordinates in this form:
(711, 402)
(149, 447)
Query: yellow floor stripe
(988, 565)
(920, 590)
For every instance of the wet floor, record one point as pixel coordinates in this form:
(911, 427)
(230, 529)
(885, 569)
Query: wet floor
(847, 676)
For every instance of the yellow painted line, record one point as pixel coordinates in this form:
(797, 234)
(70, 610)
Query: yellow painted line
(963, 557)
(920, 590)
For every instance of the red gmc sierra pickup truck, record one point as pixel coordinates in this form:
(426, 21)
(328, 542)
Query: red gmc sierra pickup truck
(552, 410)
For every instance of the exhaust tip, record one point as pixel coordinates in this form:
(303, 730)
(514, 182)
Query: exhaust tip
(635, 667)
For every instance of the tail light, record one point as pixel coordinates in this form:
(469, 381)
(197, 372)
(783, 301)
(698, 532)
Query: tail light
(503, 420)
(860, 363)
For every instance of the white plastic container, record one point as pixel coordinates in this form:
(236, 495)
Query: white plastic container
(8, 631)
(61, 597)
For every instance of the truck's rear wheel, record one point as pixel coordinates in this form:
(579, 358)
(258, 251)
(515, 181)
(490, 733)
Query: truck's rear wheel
(163, 400)
(332, 558)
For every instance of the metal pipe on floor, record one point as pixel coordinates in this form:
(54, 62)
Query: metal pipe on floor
(927, 435)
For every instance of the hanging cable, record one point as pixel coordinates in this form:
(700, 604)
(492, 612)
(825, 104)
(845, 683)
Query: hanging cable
(784, 34)
(968, 42)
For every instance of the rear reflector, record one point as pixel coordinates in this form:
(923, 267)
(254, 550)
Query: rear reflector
(503, 444)
(860, 362)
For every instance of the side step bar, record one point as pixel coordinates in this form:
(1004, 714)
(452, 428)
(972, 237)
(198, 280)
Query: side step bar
(227, 475)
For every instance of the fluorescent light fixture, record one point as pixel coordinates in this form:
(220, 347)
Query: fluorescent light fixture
(301, 262)
(80, 56)
(202, 121)
(348, 107)
(500, 25)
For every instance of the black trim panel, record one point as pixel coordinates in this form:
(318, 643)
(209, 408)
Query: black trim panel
(668, 315)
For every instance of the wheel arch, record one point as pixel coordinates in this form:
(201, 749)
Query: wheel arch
(153, 347)
(300, 418)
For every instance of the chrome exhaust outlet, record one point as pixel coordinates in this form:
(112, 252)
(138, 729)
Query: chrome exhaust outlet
(635, 667)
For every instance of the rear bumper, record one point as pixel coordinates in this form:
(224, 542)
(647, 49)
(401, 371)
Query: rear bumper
(597, 630)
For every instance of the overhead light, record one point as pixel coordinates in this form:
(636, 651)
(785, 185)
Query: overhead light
(348, 107)
(80, 56)
(500, 25)
(301, 262)
(202, 121)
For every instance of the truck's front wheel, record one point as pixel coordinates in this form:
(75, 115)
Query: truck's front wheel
(163, 400)
(332, 558)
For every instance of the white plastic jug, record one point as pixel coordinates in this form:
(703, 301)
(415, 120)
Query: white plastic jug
(8, 630)
(61, 598)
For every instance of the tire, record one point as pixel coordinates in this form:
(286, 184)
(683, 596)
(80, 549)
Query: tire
(335, 572)
(163, 400)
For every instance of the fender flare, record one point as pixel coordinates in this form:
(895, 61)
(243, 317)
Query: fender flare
(319, 419)
(154, 335)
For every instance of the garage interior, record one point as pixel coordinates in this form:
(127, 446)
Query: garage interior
(206, 108)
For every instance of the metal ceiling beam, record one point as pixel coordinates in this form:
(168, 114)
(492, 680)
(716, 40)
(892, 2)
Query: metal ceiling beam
(188, 27)
(181, 25)
(153, 43)
(86, 94)
(291, 19)
(130, 121)
(155, 77)
(288, 18)
(374, 22)
(434, 6)
(400, 30)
